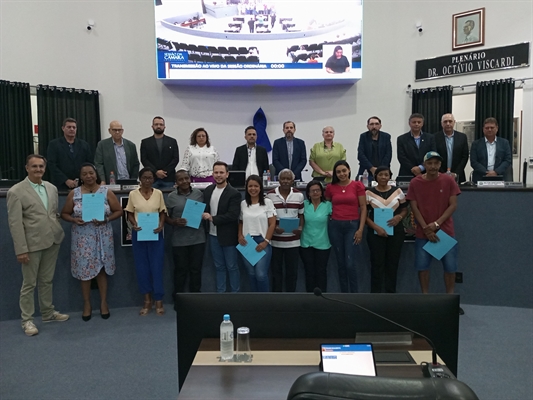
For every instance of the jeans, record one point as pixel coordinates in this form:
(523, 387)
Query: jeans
(160, 184)
(316, 268)
(188, 261)
(225, 259)
(341, 234)
(258, 273)
(149, 259)
(291, 257)
(384, 258)
(423, 258)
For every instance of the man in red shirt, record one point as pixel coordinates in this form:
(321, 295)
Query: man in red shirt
(433, 199)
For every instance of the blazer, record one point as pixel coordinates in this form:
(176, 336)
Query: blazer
(62, 165)
(167, 160)
(479, 158)
(409, 155)
(105, 159)
(459, 153)
(33, 228)
(364, 151)
(280, 156)
(240, 159)
(228, 211)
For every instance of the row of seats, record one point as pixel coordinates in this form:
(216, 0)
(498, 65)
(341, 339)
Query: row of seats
(219, 59)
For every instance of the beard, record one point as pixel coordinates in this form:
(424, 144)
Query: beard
(159, 131)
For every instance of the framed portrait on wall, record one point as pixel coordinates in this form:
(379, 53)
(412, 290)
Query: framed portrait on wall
(468, 29)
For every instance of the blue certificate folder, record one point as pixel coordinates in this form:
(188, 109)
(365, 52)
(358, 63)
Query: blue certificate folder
(381, 216)
(148, 222)
(193, 213)
(289, 224)
(442, 247)
(92, 207)
(249, 252)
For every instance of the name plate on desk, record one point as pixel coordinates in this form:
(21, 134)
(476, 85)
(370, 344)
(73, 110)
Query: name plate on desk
(113, 188)
(130, 187)
(514, 184)
(491, 184)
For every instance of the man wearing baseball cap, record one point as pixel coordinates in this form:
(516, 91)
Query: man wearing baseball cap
(433, 198)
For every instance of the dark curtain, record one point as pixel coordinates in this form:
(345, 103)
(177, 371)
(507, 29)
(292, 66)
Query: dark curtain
(16, 129)
(54, 104)
(495, 99)
(432, 103)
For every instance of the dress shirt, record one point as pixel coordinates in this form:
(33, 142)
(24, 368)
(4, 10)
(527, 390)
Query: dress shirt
(491, 154)
(41, 192)
(449, 149)
(417, 142)
(251, 168)
(326, 157)
(122, 167)
(289, 152)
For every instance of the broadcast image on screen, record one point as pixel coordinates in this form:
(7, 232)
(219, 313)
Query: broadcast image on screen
(350, 359)
(258, 40)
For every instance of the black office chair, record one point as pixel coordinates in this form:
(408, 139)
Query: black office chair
(328, 386)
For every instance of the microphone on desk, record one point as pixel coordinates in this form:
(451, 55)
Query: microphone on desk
(435, 370)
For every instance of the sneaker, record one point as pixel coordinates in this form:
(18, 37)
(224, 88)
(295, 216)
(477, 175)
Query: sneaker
(56, 317)
(29, 328)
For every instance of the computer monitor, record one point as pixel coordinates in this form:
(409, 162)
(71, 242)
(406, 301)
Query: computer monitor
(237, 179)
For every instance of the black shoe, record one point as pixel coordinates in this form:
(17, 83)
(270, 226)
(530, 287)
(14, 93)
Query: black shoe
(105, 316)
(86, 317)
(461, 311)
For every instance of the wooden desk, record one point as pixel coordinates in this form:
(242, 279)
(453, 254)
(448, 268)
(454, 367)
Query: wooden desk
(276, 365)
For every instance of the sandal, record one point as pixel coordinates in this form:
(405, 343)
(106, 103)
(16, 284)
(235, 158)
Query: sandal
(146, 308)
(159, 310)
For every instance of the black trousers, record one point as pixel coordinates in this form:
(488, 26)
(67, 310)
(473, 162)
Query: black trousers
(291, 258)
(316, 268)
(384, 258)
(188, 261)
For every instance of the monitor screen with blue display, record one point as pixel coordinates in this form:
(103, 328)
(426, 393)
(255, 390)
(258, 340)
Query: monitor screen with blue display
(348, 358)
(258, 41)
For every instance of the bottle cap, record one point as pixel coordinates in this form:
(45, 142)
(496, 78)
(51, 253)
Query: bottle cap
(226, 317)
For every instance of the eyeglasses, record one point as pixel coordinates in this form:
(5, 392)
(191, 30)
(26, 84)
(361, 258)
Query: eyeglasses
(117, 130)
(147, 178)
(316, 190)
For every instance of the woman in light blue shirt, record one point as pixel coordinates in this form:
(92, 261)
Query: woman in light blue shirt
(314, 242)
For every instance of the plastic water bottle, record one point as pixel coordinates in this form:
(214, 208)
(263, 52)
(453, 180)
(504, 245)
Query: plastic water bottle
(112, 178)
(226, 339)
(265, 178)
(268, 176)
(365, 178)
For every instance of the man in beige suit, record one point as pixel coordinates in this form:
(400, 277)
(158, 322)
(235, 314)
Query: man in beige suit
(37, 235)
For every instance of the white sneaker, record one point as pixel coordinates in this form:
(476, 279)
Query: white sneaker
(29, 328)
(56, 317)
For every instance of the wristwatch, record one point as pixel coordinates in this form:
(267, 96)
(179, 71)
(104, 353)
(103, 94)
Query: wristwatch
(267, 240)
(436, 225)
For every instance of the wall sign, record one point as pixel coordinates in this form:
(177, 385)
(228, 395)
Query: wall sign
(515, 56)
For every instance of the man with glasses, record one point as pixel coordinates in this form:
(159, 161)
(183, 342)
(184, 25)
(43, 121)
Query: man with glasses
(66, 155)
(116, 155)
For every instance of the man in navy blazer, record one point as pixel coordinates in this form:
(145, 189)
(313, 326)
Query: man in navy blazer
(66, 155)
(289, 152)
(413, 146)
(453, 148)
(250, 157)
(375, 148)
(490, 156)
(117, 155)
(161, 153)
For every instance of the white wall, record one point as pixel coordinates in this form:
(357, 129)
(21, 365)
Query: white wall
(46, 42)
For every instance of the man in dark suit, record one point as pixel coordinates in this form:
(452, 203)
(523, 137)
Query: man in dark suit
(66, 155)
(223, 207)
(374, 148)
(250, 157)
(289, 152)
(37, 235)
(161, 153)
(491, 156)
(412, 146)
(117, 155)
(453, 148)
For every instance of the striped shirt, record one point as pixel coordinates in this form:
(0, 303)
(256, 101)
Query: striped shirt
(292, 207)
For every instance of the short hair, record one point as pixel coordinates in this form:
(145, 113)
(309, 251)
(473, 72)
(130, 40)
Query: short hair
(286, 171)
(416, 115)
(181, 171)
(441, 118)
(491, 120)
(289, 122)
(335, 179)
(248, 128)
(247, 197)
(471, 23)
(382, 168)
(193, 137)
(374, 117)
(222, 163)
(88, 164)
(328, 126)
(35, 156)
(147, 169)
(308, 190)
(157, 117)
(69, 119)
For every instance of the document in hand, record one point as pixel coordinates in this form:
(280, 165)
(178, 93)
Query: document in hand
(192, 212)
(92, 207)
(440, 248)
(381, 216)
(148, 222)
(249, 252)
(289, 224)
